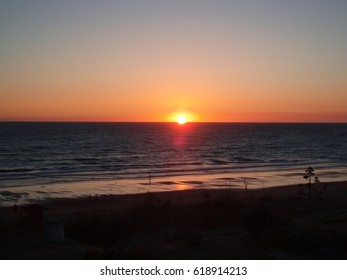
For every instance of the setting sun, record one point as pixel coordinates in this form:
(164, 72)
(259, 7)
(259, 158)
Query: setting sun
(181, 119)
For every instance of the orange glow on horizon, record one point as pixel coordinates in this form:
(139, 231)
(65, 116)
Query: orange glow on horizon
(149, 63)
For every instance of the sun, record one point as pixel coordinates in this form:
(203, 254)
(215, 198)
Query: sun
(181, 119)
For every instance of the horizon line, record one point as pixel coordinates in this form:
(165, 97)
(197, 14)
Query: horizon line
(173, 122)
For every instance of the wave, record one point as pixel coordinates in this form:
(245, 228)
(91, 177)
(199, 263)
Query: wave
(16, 170)
(88, 159)
(219, 162)
(99, 151)
(247, 159)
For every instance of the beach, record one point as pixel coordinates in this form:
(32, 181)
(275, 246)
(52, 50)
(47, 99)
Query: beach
(285, 222)
(207, 131)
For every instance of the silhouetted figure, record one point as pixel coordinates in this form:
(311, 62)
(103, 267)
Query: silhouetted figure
(150, 179)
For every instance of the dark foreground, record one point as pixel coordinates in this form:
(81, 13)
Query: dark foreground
(277, 223)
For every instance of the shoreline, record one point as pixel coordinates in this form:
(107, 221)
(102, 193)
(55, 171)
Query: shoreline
(23, 195)
(193, 195)
(60, 209)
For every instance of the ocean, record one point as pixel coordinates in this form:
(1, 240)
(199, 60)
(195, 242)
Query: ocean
(45, 160)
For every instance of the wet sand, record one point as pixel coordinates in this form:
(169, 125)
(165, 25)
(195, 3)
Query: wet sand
(256, 179)
(231, 223)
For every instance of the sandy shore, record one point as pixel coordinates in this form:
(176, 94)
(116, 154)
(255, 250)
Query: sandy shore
(333, 191)
(38, 193)
(271, 223)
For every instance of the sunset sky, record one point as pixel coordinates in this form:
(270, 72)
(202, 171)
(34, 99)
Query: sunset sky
(226, 61)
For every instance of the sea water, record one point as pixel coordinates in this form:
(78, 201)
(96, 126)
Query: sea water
(127, 157)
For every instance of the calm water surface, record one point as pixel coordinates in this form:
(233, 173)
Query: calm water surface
(44, 154)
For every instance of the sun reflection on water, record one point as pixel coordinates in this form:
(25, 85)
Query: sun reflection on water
(181, 186)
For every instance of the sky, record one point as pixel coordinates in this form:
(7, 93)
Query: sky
(151, 60)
